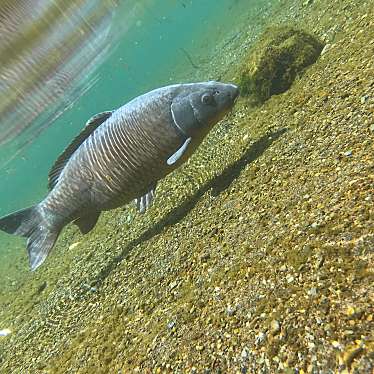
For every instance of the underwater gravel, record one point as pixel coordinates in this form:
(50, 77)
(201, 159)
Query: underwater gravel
(257, 256)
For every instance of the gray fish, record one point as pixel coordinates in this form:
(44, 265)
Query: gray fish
(120, 156)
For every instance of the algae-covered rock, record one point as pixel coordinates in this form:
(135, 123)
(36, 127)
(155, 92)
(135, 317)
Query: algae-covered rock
(275, 60)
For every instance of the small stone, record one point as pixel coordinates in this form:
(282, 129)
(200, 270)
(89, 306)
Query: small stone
(364, 99)
(274, 327)
(289, 278)
(74, 245)
(372, 127)
(283, 268)
(173, 285)
(350, 311)
(230, 311)
(171, 325)
(199, 348)
(307, 2)
(260, 338)
(348, 153)
(312, 291)
(5, 332)
(336, 344)
(244, 353)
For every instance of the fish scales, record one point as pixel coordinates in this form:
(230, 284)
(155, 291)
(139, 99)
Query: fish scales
(121, 173)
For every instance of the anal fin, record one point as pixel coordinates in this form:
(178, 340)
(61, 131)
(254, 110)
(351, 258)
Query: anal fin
(87, 223)
(145, 201)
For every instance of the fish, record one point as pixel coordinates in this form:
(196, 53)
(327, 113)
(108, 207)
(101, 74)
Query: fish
(119, 157)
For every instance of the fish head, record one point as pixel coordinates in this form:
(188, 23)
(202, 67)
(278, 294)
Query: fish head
(199, 106)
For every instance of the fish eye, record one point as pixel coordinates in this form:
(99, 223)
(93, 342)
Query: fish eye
(207, 99)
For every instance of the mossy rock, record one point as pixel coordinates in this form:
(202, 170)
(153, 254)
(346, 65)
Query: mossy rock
(275, 60)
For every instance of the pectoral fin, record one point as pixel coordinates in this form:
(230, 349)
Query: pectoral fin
(179, 153)
(145, 201)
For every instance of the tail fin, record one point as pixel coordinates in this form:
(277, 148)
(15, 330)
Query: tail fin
(30, 224)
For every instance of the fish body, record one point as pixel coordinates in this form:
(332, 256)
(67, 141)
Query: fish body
(120, 156)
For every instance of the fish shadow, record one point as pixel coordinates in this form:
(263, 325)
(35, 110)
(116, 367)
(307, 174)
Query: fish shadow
(218, 184)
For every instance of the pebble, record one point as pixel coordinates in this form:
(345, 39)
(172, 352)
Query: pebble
(274, 326)
(289, 278)
(173, 285)
(283, 268)
(244, 353)
(74, 245)
(260, 338)
(230, 311)
(5, 332)
(307, 2)
(312, 291)
(336, 344)
(364, 99)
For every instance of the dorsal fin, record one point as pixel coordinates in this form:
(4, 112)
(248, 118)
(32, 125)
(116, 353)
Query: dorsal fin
(93, 123)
